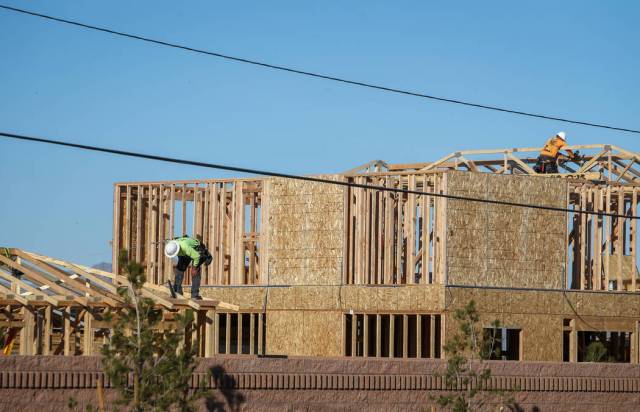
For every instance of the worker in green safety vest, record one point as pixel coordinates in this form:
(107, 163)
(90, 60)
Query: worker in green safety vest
(189, 251)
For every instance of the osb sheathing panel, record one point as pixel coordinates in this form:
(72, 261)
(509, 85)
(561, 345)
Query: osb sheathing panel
(285, 334)
(322, 333)
(541, 333)
(381, 299)
(540, 314)
(304, 333)
(493, 245)
(604, 304)
(305, 232)
(247, 298)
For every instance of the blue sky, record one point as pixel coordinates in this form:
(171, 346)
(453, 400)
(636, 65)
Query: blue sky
(575, 59)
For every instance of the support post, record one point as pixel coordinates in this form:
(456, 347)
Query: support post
(46, 336)
(67, 331)
(88, 333)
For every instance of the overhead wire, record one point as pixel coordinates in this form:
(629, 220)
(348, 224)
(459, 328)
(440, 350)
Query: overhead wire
(304, 178)
(314, 74)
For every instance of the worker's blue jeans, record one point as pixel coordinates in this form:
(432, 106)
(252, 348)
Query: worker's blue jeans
(178, 271)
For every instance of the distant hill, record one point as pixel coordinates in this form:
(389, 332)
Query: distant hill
(103, 266)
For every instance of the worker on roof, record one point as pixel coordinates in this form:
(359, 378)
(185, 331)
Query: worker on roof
(550, 153)
(189, 251)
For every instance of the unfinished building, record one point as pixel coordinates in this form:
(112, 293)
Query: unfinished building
(318, 269)
(326, 270)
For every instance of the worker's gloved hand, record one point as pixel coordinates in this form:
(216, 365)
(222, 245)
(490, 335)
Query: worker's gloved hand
(577, 157)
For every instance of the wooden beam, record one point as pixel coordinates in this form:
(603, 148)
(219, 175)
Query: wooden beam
(633, 239)
(522, 164)
(88, 333)
(39, 278)
(227, 306)
(378, 335)
(115, 242)
(27, 335)
(365, 335)
(597, 248)
(67, 331)
(392, 327)
(583, 239)
(47, 326)
(63, 278)
(261, 338)
(239, 334)
(620, 239)
(432, 336)
(252, 325)
(216, 332)
(607, 247)
(80, 286)
(411, 221)
(29, 288)
(405, 336)
(11, 295)
(227, 335)
(419, 336)
(354, 330)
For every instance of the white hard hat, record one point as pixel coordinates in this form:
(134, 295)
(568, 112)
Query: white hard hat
(171, 249)
(562, 135)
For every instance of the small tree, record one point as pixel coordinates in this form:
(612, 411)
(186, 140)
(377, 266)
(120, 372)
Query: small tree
(161, 367)
(466, 351)
(596, 352)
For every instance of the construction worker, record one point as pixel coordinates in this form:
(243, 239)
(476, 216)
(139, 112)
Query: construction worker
(550, 153)
(189, 251)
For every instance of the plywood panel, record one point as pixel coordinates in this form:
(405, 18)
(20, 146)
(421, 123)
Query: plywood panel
(305, 232)
(322, 334)
(540, 314)
(505, 246)
(285, 332)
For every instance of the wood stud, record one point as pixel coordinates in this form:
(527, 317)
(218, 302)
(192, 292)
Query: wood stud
(423, 344)
(223, 214)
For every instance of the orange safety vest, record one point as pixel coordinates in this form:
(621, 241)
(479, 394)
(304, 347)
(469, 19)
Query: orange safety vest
(552, 147)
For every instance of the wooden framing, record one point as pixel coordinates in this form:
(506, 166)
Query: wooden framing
(389, 238)
(603, 248)
(236, 336)
(58, 307)
(224, 214)
(417, 337)
(600, 161)
(393, 235)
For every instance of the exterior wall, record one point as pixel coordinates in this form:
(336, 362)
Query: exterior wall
(307, 320)
(540, 315)
(305, 232)
(43, 384)
(504, 246)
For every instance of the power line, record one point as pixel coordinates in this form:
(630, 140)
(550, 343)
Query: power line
(304, 178)
(316, 75)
